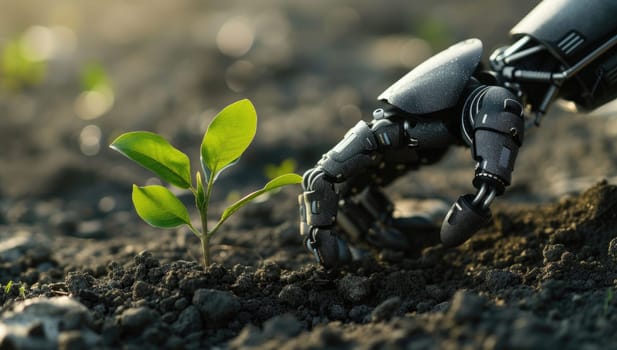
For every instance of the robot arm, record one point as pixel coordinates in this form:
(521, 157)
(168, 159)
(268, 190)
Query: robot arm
(563, 49)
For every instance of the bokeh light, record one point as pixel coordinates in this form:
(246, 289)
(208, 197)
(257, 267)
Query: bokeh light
(239, 75)
(236, 36)
(107, 204)
(92, 104)
(90, 140)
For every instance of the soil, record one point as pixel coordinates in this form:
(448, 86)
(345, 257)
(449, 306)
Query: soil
(87, 273)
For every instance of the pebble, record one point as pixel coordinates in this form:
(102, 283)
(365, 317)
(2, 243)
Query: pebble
(358, 313)
(466, 306)
(243, 283)
(181, 304)
(568, 258)
(216, 306)
(500, 279)
(567, 236)
(285, 325)
(292, 295)
(146, 259)
(431, 256)
(188, 321)
(423, 306)
(142, 290)
(77, 281)
(169, 317)
(270, 272)
(44, 318)
(153, 335)
(354, 288)
(336, 312)
(279, 327)
(434, 291)
(385, 310)
(441, 307)
(552, 252)
(134, 319)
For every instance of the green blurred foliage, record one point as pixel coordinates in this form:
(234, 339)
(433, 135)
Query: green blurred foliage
(273, 170)
(436, 32)
(18, 67)
(94, 78)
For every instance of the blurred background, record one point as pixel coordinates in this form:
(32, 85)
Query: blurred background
(76, 74)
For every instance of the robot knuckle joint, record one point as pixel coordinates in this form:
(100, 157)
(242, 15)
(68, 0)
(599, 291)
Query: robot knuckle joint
(341, 170)
(358, 139)
(321, 203)
(387, 133)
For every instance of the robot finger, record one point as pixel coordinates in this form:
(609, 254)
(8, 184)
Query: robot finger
(328, 247)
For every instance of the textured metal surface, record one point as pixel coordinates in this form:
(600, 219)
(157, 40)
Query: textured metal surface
(437, 83)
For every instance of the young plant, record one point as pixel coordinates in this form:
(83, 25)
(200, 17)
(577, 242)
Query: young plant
(22, 290)
(227, 137)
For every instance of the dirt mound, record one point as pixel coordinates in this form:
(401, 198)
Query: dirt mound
(538, 277)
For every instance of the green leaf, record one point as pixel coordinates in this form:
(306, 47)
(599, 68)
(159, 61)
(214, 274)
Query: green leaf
(7, 288)
(283, 180)
(157, 206)
(228, 136)
(154, 153)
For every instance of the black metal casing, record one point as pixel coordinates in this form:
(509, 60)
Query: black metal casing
(438, 82)
(570, 30)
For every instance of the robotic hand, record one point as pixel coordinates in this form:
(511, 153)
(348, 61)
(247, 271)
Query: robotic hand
(562, 49)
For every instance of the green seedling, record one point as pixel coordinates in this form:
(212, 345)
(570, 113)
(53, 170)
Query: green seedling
(22, 290)
(7, 288)
(227, 137)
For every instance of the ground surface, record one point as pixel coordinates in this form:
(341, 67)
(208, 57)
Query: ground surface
(541, 275)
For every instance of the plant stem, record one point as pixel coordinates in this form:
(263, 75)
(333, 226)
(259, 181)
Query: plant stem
(204, 238)
(205, 249)
(203, 212)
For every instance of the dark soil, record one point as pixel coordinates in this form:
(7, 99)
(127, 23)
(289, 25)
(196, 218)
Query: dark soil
(87, 273)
